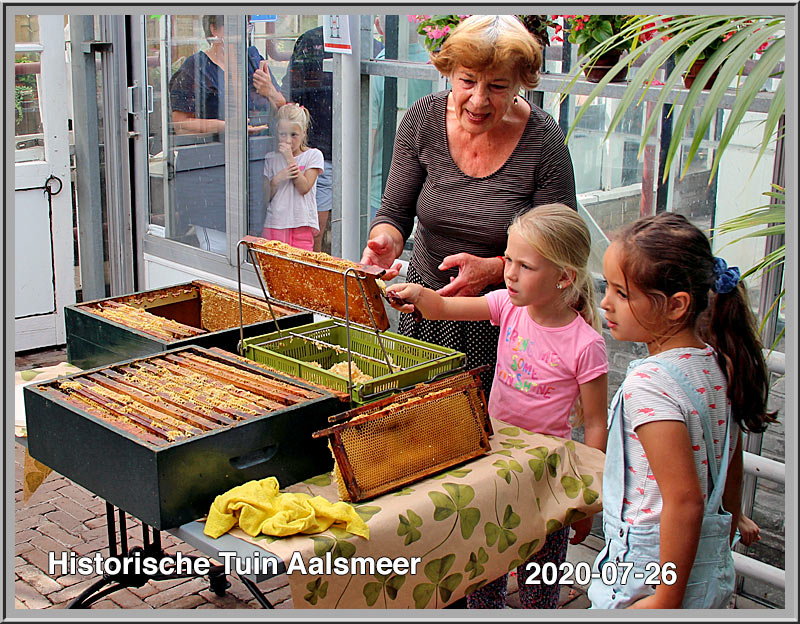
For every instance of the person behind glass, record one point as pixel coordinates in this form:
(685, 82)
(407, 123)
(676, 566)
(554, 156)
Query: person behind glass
(197, 89)
(307, 84)
(465, 163)
(674, 454)
(290, 181)
(197, 101)
(547, 306)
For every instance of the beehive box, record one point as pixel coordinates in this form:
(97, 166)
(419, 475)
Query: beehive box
(396, 441)
(310, 351)
(161, 436)
(104, 331)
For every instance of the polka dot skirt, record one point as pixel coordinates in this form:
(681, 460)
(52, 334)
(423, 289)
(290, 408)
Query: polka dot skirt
(476, 339)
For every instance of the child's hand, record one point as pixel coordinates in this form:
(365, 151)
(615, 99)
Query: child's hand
(285, 150)
(403, 296)
(286, 174)
(749, 530)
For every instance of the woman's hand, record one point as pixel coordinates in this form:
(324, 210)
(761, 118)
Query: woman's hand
(262, 82)
(474, 274)
(381, 251)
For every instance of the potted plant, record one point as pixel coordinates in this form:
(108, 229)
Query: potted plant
(436, 28)
(588, 32)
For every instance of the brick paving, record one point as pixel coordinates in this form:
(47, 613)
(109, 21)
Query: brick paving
(63, 517)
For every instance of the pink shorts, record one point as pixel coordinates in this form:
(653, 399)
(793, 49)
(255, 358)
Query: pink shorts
(300, 237)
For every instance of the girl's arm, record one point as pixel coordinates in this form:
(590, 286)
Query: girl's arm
(435, 307)
(669, 452)
(594, 400)
(305, 180)
(732, 496)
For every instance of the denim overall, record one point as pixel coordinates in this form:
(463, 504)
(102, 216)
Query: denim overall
(711, 580)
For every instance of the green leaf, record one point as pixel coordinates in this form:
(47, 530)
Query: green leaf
(573, 515)
(322, 544)
(404, 492)
(590, 496)
(371, 592)
(587, 479)
(449, 585)
(436, 569)
(540, 452)
(474, 566)
(321, 480)
(365, 512)
(470, 517)
(511, 519)
(407, 527)
(505, 452)
(513, 443)
(422, 594)
(527, 549)
(507, 539)
(509, 431)
(553, 525)
(444, 506)
(316, 590)
(473, 588)
(462, 495)
(394, 584)
(28, 375)
(537, 465)
(458, 473)
(553, 461)
(492, 532)
(572, 486)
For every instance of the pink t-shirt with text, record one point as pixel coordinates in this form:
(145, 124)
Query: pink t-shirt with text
(539, 369)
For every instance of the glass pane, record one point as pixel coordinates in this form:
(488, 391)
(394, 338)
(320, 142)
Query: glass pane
(293, 48)
(389, 97)
(29, 137)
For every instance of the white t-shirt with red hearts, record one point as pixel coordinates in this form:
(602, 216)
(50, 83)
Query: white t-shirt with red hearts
(650, 395)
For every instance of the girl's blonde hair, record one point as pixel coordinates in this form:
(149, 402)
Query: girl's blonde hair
(482, 42)
(297, 115)
(559, 234)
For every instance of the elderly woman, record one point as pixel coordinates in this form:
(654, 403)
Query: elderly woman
(465, 163)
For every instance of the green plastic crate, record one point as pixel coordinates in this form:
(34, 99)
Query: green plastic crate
(419, 361)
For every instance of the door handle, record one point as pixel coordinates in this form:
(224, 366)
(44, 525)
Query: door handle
(149, 99)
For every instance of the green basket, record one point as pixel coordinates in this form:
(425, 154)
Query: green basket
(419, 361)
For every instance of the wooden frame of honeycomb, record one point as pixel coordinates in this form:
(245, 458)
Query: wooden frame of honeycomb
(316, 281)
(402, 439)
(177, 394)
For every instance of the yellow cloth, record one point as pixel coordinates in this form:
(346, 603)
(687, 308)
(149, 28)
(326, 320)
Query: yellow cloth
(259, 507)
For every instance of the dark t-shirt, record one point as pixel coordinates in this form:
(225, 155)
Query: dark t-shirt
(305, 83)
(460, 213)
(199, 87)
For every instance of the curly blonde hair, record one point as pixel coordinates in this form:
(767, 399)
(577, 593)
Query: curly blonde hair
(482, 42)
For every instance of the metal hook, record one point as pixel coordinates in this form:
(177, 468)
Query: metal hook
(48, 185)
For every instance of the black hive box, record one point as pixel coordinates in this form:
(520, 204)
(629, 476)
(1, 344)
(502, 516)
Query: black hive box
(168, 482)
(209, 309)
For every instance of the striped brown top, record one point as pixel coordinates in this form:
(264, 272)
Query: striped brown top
(459, 213)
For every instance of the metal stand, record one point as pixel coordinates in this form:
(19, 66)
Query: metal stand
(110, 583)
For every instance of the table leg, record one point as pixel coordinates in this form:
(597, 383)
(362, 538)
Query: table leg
(218, 583)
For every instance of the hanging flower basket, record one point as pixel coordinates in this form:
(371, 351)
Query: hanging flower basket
(595, 72)
(690, 76)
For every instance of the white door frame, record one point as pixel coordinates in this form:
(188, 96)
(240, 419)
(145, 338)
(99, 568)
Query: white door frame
(47, 329)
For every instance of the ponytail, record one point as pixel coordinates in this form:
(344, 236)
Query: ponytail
(729, 325)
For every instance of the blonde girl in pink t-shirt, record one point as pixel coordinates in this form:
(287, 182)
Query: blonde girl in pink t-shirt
(551, 357)
(290, 181)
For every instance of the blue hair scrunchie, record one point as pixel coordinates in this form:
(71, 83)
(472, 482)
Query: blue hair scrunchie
(725, 278)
